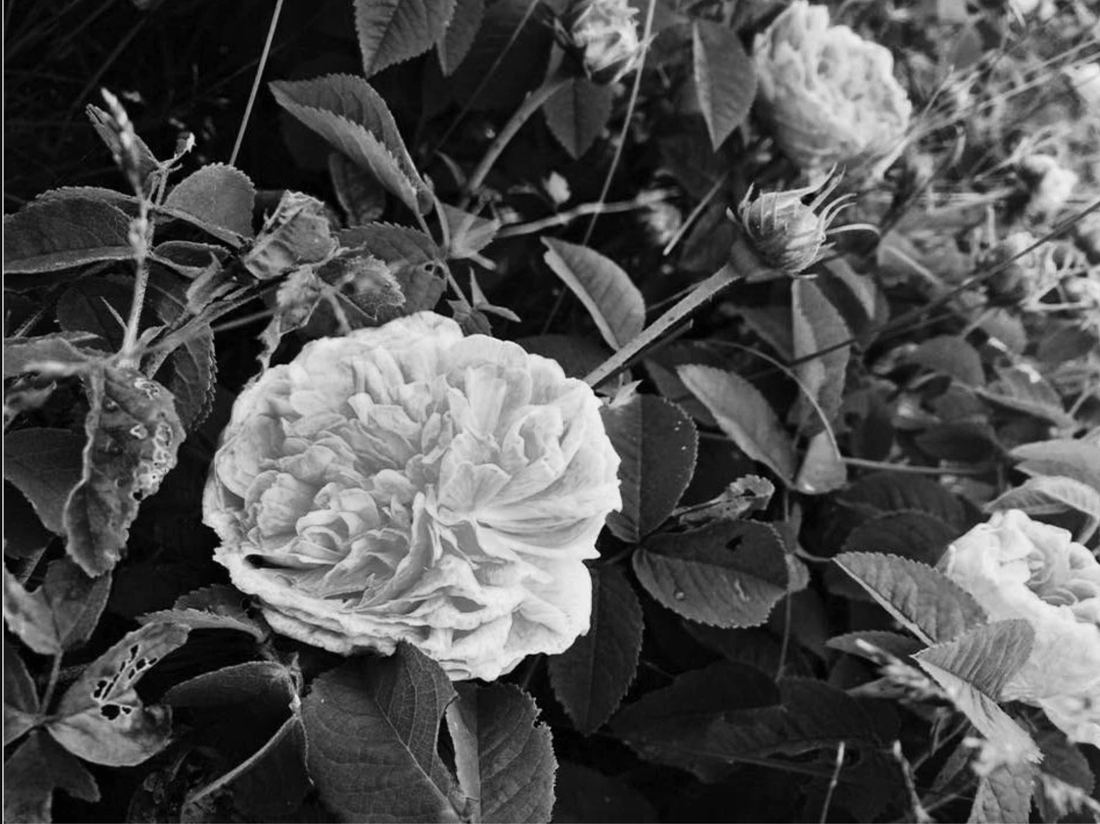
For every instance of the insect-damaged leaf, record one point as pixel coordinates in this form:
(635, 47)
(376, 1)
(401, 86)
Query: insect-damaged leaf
(133, 435)
(101, 718)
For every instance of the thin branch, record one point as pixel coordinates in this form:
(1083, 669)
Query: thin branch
(256, 83)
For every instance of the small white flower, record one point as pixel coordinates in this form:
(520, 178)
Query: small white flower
(830, 95)
(1019, 568)
(605, 35)
(407, 483)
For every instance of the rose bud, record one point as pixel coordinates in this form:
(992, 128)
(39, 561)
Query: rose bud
(603, 36)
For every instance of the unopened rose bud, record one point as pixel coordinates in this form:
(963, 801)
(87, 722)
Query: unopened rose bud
(604, 37)
(786, 233)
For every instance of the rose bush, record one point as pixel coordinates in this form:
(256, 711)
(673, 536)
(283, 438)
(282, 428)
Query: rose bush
(830, 95)
(407, 483)
(1019, 568)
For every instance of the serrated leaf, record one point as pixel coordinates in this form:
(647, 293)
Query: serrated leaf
(52, 235)
(37, 768)
(817, 325)
(973, 669)
(1077, 459)
(61, 614)
(21, 705)
(952, 355)
(744, 415)
(214, 607)
(258, 682)
(372, 726)
(861, 644)
(354, 119)
(398, 245)
(917, 536)
(45, 464)
(460, 34)
(657, 444)
(296, 234)
(1050, 495)
(190, 258)
(593, 675)
(23, 354)
(504, 758)
(922, 599)
(726, 574)
(606, 291)
(1004, 795)
(1025, 390)
(392, 31)
(725, 78)
(883, 492)
(133, 435)
(101, 718)
(578, 113)
(218, 195)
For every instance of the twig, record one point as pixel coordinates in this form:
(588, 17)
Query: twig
(256, 83)
(596, 207)
(915, 470)
(833, 781)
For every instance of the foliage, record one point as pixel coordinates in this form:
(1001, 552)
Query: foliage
(770, 633)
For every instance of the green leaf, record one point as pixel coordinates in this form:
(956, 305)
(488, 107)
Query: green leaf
(32, 774)
(725, 78)
(951, 355)
(54, 235)
(354, 119)
(460, 34)
(1024, 390)
(744, 415)
(606, 291)
(973, 669)
(360, 195)
(1051, 495)
(593, 675)
(61, 614)
(1004, 795)
(87, 306)
(396, 245)
(882, 492)
(858, 643)
(817, 325)
(823, 468)
(726, 574)
(1077, 459)
(101, 718)
(469, 233)
(190, 258)
(216, 195)
(21, 707)
(295, 234)
(45, 464)
(585, 794)
(393, 31)
(578, 113)
(255, 682)
(214, 607)
(922, 599)
(372, 726)
(133, 435)
(504, 758)
(27, 354)
(657, 444)
(913, 535)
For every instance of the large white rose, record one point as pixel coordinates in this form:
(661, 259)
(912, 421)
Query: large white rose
(1019, 568)
(407, 483)
(830, 95)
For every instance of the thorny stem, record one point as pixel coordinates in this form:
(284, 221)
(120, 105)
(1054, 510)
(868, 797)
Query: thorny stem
(531, 104)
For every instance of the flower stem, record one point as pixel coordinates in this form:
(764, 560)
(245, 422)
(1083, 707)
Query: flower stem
(531, 104)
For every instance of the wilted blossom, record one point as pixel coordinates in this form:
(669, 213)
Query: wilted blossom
(1019, 568)
(407, 483)
(604, 35)
(786, 233)
(830, 95)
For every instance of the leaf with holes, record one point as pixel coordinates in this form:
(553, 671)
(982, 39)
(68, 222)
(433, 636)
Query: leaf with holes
(61, 614)
(657, 444)
(45, 464)
(726, 574)
(725, 78)
(133, 435)
(592, 676)
(744, 415)
(101, 718)
(52, 235)
(973, 670)
(372, 727)
(922, 599)
(354, 119)
(37, 768)
(393, 31)
(606, 291)
(504, 758)
(217, 195)
(578, 113)
(817, 325)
